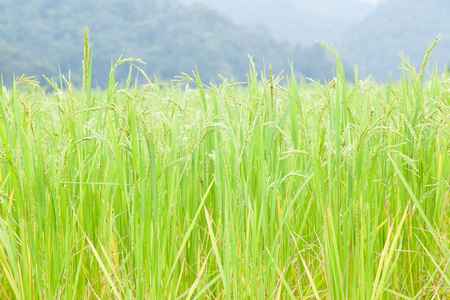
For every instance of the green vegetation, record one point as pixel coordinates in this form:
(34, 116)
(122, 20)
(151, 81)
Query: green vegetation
(273, 190)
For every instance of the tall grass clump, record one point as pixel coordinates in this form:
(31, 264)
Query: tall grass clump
(271, 189)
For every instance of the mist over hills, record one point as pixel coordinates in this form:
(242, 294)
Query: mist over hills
(294, 20)
(45, 36)
(398, 26)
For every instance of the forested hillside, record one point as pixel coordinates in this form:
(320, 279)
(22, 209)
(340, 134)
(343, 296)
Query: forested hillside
(45, 36)
(40, 36)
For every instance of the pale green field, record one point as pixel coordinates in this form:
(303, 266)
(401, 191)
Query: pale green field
(269, 190)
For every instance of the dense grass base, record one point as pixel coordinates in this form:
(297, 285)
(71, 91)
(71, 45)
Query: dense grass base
(331, 191)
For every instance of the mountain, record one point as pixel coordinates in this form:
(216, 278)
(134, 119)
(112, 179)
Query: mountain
(371, 35)
(394, 26)
(43, 36)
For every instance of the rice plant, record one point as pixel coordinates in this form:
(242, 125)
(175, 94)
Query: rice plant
(269, 189)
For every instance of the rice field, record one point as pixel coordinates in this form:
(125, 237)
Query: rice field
(269, 189)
